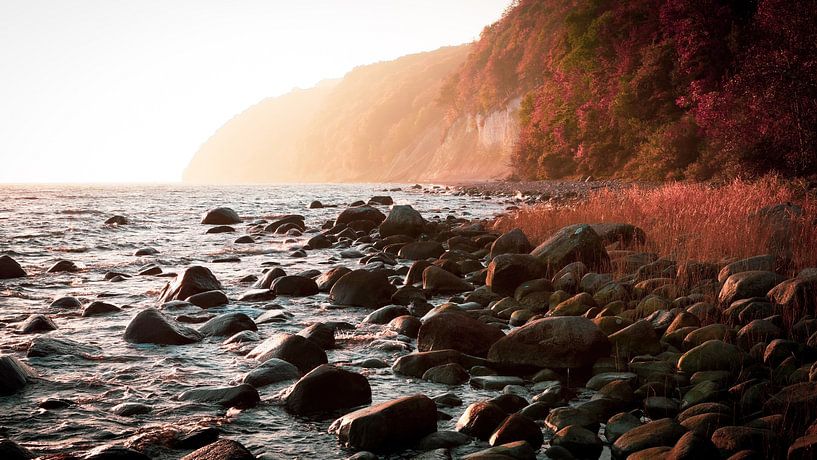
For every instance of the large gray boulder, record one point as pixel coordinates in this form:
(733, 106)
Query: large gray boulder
(403, 220)
(574, 243)
(557, 342)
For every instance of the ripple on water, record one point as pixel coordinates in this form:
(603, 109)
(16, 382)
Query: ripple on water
(53, 222)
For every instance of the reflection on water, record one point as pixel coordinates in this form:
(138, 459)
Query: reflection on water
(42, 224)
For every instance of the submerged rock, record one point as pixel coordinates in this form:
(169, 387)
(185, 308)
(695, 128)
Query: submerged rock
(271, 371)
(327, 388)
(49, 346)
(66, 302)
(241, 396)
(9, 268)
(387, 426)
(151, 326)
(14, 375)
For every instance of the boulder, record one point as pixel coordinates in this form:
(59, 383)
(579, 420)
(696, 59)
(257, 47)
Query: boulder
(558, 342)
(403, 220)
(10, 450)
(193, 280)
(220, 216)
(481, 419)
(447, 374)
(436, 279)
(37, 323)
(580, 441)
(457, 331)
(362, 288)
(227, 325)
(116, 220)
(416, 364)
(744, 285)
(764, 262)
(99, 308)
(326, 280)
(109, 452)
(325, 389)
(208, 299)
(663, 432)
(517, 427)
(66, 302)
(511, 242)
(151, 326)
(360, 213)
(387, 426)
(385, 314)
(574, 243)
(507, 271)
(625, 234)
(295, 286)
(63, 266)
(9, 268)
(223, 449)
(712, 355)
(406, 325)
(266, 280)
(638, 338)
(14, 375)
(271, 371)
(242, 396)
(43, 346)
(302, 352)
(421, 250)
(321, 334)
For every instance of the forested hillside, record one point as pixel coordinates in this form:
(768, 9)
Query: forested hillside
(651, 88)
(643, 89)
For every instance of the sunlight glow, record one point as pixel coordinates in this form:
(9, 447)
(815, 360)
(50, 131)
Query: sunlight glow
(122, 90)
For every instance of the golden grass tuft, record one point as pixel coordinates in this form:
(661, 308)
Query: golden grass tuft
(693, 221)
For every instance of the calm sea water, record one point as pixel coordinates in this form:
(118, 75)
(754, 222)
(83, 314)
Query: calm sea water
(42, 224)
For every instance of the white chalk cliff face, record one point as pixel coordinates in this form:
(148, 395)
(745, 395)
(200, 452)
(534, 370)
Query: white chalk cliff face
(381, 122)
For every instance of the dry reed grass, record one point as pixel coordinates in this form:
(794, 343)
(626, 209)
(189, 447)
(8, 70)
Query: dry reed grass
(694, 221)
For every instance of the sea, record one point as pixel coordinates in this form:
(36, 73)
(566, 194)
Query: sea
(42, 224)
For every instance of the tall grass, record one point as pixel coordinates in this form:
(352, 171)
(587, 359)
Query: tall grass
(693, 221)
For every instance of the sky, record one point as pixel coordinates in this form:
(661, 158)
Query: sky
(127, 90)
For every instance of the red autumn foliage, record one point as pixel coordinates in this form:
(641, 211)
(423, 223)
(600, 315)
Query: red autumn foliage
(657, 89)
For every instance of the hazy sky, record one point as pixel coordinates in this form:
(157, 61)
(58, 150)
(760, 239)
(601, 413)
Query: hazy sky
(127, 90)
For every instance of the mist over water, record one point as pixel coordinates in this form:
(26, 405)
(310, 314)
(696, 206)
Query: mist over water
(42, 224)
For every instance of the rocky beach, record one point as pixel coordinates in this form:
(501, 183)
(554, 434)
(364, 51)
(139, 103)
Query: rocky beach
(388, 321)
